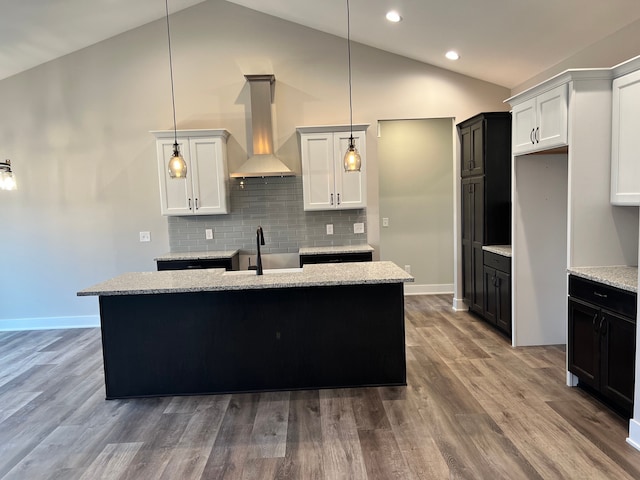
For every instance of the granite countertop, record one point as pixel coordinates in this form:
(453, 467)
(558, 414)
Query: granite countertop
(210, 280)
(504, 250)
(335, 249)
(213, 255)
(625, 278)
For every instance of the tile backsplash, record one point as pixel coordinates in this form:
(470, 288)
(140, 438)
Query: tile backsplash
(276, 204)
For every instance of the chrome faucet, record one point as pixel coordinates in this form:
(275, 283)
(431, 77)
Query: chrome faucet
(259, 241)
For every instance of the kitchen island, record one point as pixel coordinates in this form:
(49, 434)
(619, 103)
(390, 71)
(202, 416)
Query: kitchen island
(210, 331)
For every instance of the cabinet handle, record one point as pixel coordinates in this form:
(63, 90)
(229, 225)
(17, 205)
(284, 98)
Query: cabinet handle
(338, 199)
(197, 207)
(593, 322)
(332, 199)
(537, 136)
(603, 327)
(531, 136)
(189, 204)
(601, 295)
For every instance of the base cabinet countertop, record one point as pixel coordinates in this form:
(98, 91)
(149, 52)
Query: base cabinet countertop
(227, 259)
(209, 331)
(336, 254)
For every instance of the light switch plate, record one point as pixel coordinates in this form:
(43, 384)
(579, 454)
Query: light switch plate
(208, 234)
(145, 236)
(329, 228)
(358, 228)
(385, 221)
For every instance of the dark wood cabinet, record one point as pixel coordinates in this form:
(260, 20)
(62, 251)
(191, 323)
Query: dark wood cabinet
(601, 345)
(228, 263)
(497, 291)
(336, 257)
(486, 196)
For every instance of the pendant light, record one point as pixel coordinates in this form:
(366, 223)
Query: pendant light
(352, 160)
(177, 165)
(7, 180)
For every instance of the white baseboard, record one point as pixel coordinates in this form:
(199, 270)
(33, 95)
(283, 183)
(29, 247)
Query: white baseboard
(634, 434)
(49, 323)
(434, 289)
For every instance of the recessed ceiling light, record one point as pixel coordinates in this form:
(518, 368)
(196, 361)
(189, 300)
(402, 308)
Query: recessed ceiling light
(393, 16)
(451, 55)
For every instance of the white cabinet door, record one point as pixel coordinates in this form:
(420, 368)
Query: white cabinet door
(204, 191)
(176, 194)
(325, 184)
(523, 117)
(318, 183)
(209, 176)
(551, 130)
(350, 186)
(625, 155)
(541, 122)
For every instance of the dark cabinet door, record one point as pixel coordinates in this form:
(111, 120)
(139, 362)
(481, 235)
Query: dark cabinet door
(477, 148)
(465, 152)
(472, 241)
(584, 342)
(490, 295)
(497, 298)
(503, 302)
(618, 350)
(472, 149)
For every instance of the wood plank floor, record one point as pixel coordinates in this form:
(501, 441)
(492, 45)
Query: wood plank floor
(474, 408)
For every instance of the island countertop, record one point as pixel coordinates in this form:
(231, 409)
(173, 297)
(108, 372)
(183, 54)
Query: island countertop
(317, 275)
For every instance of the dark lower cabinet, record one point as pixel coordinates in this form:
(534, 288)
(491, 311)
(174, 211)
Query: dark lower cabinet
(601, 345)
(228, 263)
(497, 291)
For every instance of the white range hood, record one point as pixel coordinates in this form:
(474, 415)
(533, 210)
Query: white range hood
(263, 163)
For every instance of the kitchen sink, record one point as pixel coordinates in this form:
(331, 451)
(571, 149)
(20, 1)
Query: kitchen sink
(267, 271)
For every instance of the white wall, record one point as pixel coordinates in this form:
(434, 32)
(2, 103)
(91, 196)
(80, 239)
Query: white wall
(76, 130)
(416, 195)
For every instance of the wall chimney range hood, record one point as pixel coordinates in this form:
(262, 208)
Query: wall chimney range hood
(263, 163)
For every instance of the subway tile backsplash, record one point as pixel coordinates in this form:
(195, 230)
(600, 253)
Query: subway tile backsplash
(276, 204)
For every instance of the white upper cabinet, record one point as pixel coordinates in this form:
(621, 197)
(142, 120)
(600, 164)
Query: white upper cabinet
(204, 191)
(325, 184)
(625, 154)
(540, 123)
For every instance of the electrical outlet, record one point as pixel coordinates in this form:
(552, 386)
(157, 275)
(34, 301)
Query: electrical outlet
(145, 236)
(208, 234)
(407, 268)
(329, 228)
(385, 221)
(358, 228)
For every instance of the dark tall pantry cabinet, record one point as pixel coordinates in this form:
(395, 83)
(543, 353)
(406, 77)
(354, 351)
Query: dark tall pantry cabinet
(486, 196)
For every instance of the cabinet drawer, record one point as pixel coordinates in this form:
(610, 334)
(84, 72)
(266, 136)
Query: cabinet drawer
(605, 296)
(335, 258)
(499, 262)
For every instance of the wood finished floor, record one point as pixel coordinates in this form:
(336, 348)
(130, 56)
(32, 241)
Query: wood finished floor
(474, 408)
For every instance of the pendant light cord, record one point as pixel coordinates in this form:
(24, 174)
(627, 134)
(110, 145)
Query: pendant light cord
(349, 59)
(173, 100)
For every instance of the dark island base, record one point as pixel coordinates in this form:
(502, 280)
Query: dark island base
(253, 340)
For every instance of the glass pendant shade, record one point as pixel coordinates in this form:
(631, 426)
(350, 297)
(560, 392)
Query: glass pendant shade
(177, 165)
(7, 180)
(352, 160)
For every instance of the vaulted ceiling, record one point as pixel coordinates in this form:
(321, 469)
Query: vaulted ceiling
(504, 42)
